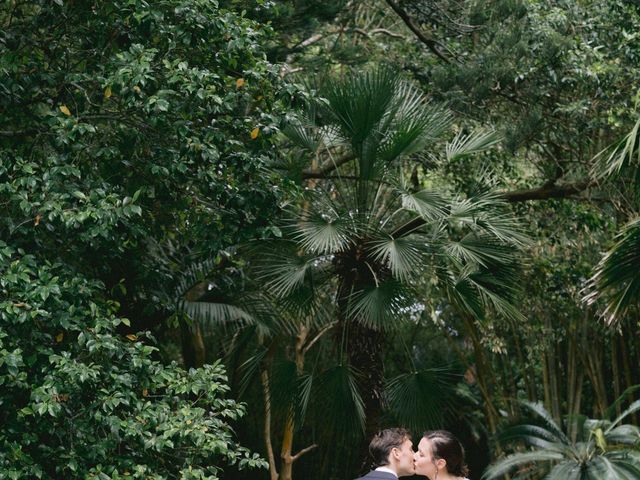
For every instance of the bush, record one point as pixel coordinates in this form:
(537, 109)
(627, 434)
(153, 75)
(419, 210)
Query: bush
(78, 400)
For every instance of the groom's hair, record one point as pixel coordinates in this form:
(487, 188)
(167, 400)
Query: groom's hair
(385, 441)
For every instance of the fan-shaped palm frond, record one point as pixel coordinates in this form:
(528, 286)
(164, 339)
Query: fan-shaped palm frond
(358, 103)
(416, 124)
(216, 313)
(621, 155)
(478, 290)
(488, 214)
(419, 400)
(304, 134)
(251, 368)
(483, 251)
(429, 204)
(284, 269)
(338, 401)
(616, 276)
(403, 256)
(322, 234)
(381, 306)
(289, 391)
(468, 144)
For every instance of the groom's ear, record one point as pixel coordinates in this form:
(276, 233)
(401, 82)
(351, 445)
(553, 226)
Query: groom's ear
(395, 453)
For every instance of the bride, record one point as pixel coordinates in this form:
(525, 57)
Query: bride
(440, 456)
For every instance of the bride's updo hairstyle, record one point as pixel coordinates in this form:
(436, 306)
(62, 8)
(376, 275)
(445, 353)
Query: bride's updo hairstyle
(446, 446)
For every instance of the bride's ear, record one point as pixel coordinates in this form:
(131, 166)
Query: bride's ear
(441, 463)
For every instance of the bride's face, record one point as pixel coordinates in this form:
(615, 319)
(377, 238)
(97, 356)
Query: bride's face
(423, 460)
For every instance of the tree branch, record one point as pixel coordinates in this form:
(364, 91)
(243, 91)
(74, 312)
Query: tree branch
(432, 44)
(16, 133)
(302, 452)
(326, 167)
(324, 330)
(545, 192)
(376, 31)
(264, 377)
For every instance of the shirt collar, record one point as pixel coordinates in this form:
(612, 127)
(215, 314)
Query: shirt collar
(388, 470)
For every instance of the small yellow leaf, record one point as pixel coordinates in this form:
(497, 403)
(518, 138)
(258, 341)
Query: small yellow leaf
(254, 133)
(107, 92)
(65, 110)
(145, 392)
(239, 82)
(132, 337)
(137, 89)
(36, 221)
(59, 337)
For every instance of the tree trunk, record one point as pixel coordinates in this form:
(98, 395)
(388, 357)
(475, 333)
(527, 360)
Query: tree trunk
(627, 369)
(615, 370)
(364, 351)
(266, 390)
(193, 348)
(286, 466)
(483, 370)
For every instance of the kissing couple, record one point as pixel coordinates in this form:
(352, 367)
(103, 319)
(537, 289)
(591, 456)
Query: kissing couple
(440, 456)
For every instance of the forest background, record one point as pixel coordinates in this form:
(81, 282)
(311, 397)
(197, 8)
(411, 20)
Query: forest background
(286, 225)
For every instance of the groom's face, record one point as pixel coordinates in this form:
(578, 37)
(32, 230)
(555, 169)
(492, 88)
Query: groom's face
(404, 456)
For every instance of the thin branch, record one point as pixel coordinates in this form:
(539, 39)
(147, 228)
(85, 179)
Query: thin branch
(317, 337)
(16, 133)
(302, 452)
(548, 191)
(326, 167)
(310, 41)
(319, 36)
(377, 31)
(432, 44)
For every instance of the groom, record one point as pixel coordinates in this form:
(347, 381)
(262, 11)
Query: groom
(392, 452)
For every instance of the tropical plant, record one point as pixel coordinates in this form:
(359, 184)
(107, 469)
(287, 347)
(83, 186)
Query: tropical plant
(616, 278)
(79, 400)
(123, 124)
(600, 449)
(264, 343)
(368, 236)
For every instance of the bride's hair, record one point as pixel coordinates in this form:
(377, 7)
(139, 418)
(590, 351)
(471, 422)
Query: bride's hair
(446, 446)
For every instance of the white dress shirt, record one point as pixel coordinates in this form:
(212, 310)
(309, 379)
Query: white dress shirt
(388, 470)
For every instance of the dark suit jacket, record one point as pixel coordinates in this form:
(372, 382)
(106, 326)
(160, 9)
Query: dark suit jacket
(373, 475)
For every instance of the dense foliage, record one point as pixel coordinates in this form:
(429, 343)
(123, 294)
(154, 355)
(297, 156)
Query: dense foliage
(126, 127)
(79, 400)
(140, 151)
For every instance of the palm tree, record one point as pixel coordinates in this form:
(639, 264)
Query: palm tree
(368, 235)
(616, 279)
(602, 449)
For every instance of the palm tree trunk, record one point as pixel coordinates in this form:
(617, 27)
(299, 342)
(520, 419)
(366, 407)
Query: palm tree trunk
(364, 351)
